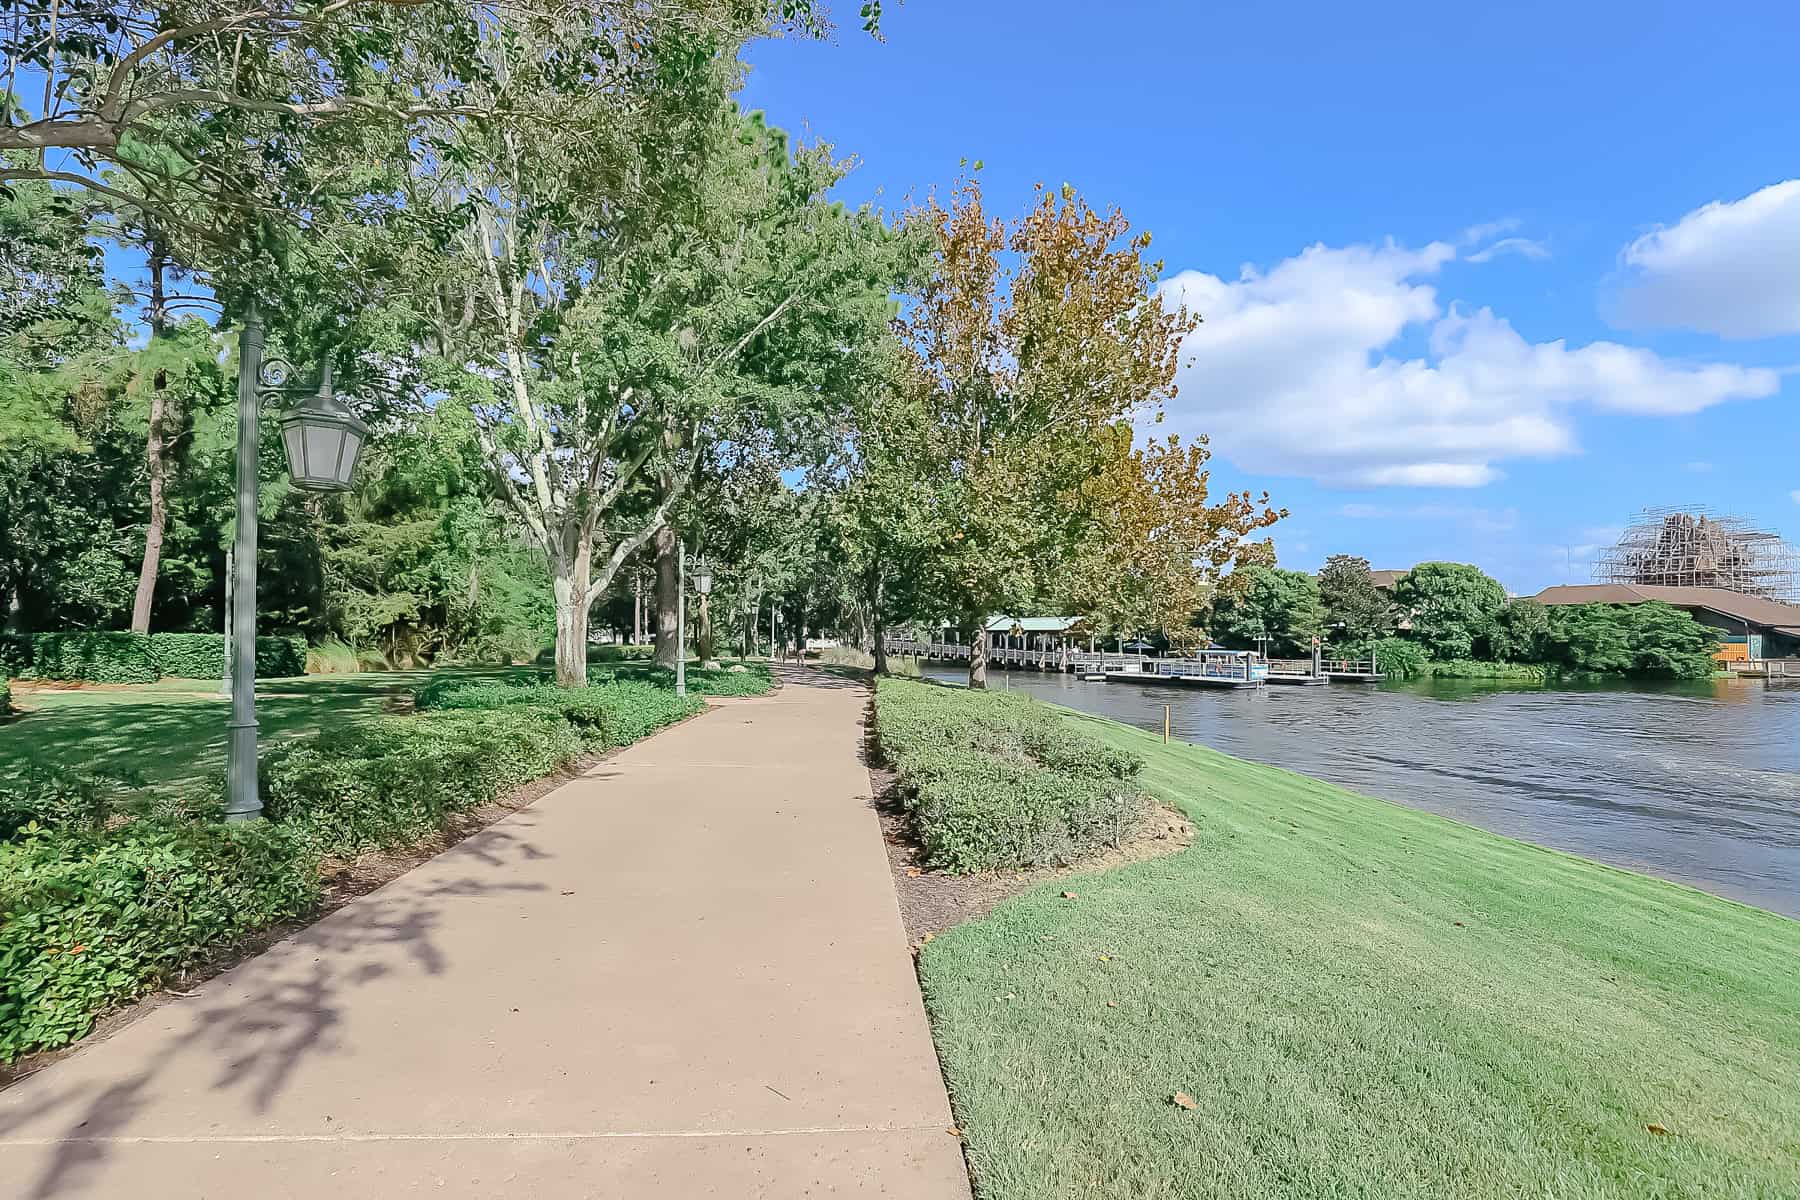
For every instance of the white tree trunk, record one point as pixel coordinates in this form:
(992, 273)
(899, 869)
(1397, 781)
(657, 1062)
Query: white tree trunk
(571, 586)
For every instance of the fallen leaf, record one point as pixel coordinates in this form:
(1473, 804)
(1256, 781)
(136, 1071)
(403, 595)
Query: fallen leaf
(953, 1131)
(1068, 895)
(1112, 1004)
(1458, 924)
(77, 949)
(1183, 1100)
(1658, 1130)
(568, 893)
(927, 938)
(913, 872)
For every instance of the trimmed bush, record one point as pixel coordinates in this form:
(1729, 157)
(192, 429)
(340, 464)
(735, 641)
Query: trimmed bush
(608, 715)
(80, 657)
(137, 657)
(390, 783)
(92, 920)
(5, 695)
(996, 779)
(202, 655)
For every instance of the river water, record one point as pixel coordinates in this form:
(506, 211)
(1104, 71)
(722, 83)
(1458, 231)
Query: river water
(1698, 783)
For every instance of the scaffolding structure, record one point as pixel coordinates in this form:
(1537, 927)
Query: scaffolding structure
(1696, 547)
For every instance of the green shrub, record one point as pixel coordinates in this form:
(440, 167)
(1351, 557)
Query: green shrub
(753, 680)
(91, 920)
(388, 783)
(5, 695)
(1463, 668)
(609, 713)
(202, 655)
(83, 657)
(331, 657)
(996, 779)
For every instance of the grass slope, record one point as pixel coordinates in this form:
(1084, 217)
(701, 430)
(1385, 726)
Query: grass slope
(1366, 1001)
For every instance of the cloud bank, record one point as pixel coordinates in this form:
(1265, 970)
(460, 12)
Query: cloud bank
(1728, 268)
(1297, 370)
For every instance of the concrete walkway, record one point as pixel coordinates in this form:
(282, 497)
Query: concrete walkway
(681, 975)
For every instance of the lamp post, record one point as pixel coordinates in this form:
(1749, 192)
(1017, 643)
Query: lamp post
(323, 440)
(681, 616)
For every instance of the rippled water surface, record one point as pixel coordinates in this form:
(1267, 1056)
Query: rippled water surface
(1697, 782)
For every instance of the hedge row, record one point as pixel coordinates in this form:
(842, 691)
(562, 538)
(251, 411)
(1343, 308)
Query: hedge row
(996, 779)
(138, 657)
(100, 903)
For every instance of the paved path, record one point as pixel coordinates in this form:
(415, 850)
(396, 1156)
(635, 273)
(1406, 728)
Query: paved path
(682, 975)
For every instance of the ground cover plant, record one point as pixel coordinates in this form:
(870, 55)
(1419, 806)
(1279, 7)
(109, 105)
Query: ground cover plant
(994, 779)
(1330, 995)
(105, 891)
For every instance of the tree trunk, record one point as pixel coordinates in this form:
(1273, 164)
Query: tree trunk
(978, 652)
(637, 608)
(571, 587)
(878, 628)
(668, 593)
(155, 462)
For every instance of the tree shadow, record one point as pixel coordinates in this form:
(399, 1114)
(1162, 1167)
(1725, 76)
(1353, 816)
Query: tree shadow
(264, 1018)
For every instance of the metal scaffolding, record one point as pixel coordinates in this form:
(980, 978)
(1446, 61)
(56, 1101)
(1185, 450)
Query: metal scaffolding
(1696, 547)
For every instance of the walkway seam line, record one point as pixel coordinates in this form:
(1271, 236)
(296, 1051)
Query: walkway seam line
(567, 1136)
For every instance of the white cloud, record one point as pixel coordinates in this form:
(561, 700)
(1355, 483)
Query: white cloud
(1293, 372)
(1524, 247)
(1476, 234)
(1726, 268)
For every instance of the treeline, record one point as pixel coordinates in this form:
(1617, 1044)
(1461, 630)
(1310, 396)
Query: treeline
(1452, 619)
(595, 314)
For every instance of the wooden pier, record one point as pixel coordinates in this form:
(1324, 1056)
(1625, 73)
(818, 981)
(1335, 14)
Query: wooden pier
(1203, 668)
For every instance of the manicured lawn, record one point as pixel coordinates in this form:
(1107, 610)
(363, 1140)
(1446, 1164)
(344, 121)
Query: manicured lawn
(1366, 1001)
(173, 731)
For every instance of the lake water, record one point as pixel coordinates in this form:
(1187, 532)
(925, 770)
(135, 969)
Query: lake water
(1698, 783)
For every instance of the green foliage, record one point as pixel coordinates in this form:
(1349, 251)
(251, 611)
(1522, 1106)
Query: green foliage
(91, 919)
(1395, 657)
(202, 655)
(1653, 640)
(1465, 668)
(1355, 609)
(995, 780)
(62, 800)
(137, 657)
(1269, 602)
(5, 694)
(1521, 633)
(84, 657)
(1452, 606)
(388, 783)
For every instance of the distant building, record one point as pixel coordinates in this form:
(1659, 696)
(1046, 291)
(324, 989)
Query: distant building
(1385, 580)
(1749, 627)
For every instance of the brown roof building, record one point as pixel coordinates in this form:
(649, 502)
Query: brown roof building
(1766, 628)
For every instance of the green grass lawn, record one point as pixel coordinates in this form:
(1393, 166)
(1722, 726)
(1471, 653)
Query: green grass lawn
(1366, 1001)
(172, 733)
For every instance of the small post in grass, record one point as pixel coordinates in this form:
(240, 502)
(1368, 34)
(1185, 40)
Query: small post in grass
(1165, 724)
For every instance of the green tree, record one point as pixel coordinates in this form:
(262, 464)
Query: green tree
(1263, 602)
(1013, 384)
(1521, 633)
(1355, 609)
(1452, 606)
(1653, 640)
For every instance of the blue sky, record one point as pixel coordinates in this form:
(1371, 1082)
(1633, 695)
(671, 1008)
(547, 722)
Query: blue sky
(1463, 292)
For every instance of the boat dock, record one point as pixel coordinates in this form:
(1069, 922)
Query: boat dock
(1200, 668)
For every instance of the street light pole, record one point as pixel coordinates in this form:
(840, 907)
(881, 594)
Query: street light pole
(323, 440)
(681, 616)
(242, 801)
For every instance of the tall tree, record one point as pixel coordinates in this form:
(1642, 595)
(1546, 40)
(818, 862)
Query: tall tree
(1157, 547)
(1452, 606)
(1016, 380)
(1268, 604)
(1355, 609)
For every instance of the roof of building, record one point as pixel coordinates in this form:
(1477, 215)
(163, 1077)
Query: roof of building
(1032, 624)
(1386, 579)
(1772, 614)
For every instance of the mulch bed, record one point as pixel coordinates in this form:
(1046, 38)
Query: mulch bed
(932, 901)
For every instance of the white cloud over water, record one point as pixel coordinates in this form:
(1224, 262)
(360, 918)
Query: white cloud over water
(1729, 267)
(1298, 370)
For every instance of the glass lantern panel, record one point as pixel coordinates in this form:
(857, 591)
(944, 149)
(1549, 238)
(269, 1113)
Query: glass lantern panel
(346, 464)
(296, 451)
(322, 443)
